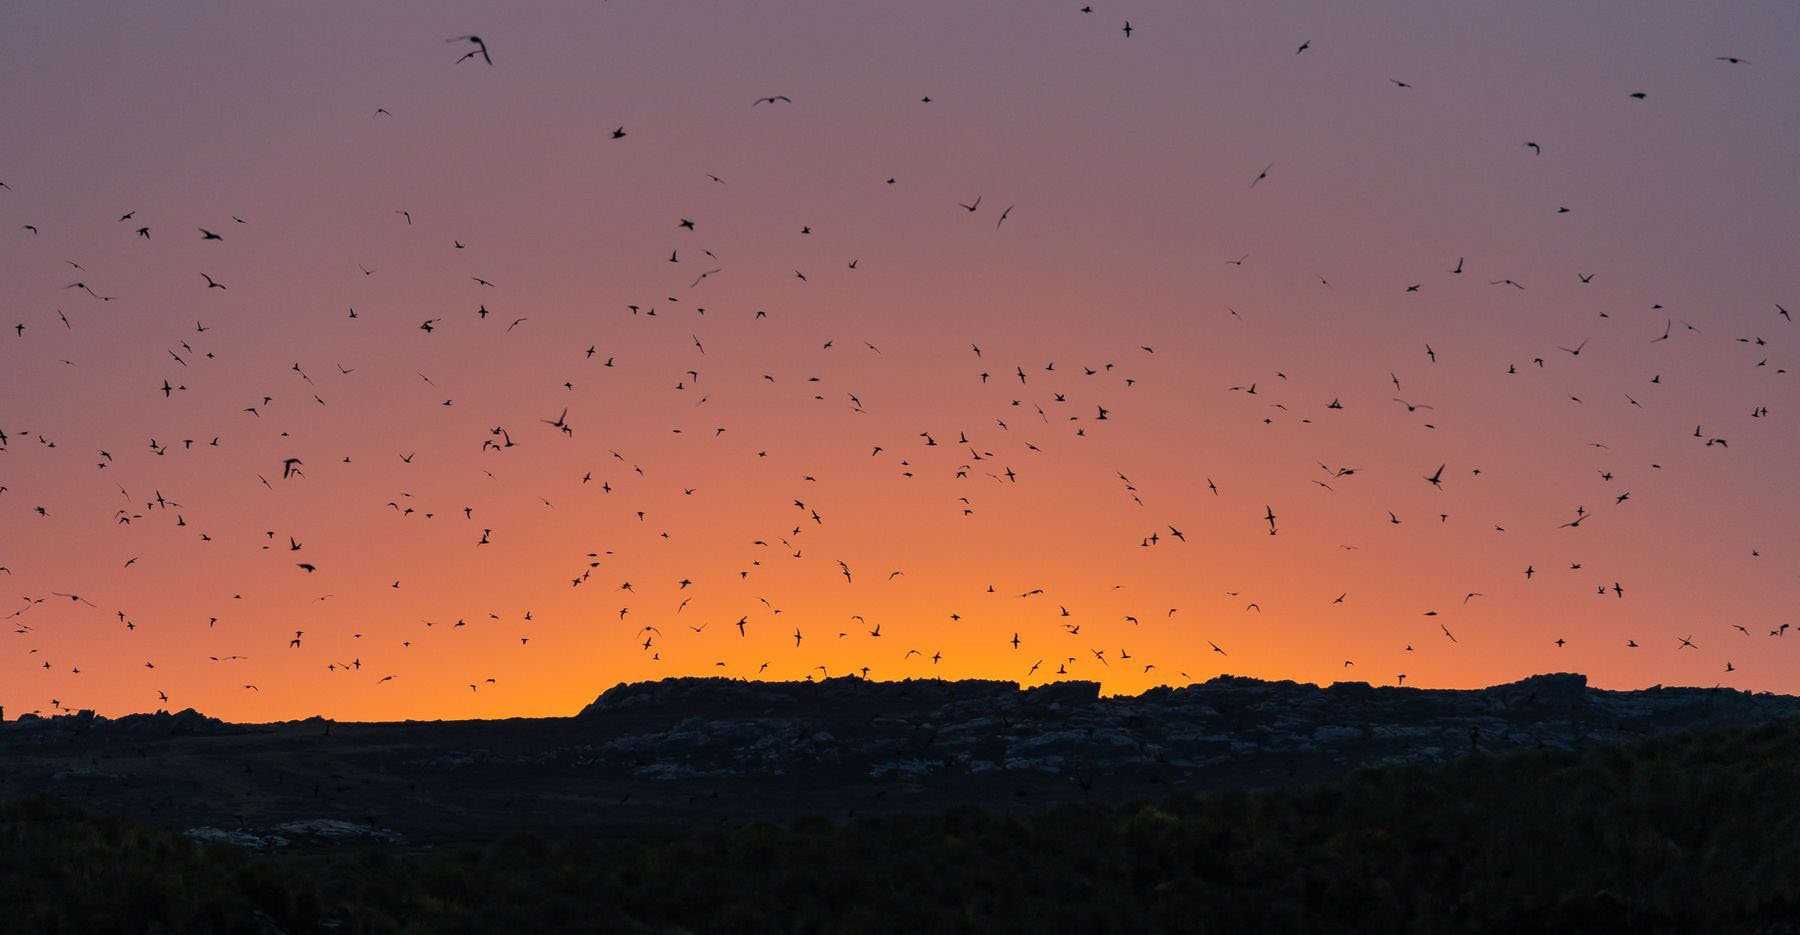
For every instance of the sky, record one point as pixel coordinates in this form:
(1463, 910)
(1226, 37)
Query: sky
(836, 323)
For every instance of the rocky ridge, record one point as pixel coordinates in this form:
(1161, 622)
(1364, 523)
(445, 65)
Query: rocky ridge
(680, 751)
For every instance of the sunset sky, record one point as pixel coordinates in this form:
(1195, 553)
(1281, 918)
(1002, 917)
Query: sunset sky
(1127, 163)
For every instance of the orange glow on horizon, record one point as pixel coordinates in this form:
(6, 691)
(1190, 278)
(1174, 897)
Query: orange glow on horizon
(705, 436)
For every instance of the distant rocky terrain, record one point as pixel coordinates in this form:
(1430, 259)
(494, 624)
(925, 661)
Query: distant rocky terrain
(667, 754)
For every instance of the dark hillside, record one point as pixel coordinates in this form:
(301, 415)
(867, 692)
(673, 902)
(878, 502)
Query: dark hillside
(1696, 831)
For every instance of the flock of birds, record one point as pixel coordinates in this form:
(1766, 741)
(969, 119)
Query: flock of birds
(653, 619)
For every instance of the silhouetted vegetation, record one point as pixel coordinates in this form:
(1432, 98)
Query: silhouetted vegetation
(1687, 833)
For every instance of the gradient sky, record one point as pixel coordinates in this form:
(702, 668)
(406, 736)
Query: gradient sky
(1128, 162)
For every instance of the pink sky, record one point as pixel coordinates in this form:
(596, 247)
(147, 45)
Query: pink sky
(1127, 163)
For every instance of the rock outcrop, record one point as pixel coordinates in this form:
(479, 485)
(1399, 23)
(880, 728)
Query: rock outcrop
(694, 728)
(681, 751)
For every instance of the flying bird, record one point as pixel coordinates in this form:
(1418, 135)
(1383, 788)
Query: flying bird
(480, 48)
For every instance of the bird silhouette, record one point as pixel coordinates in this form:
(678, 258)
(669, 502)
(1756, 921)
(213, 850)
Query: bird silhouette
(480, 48)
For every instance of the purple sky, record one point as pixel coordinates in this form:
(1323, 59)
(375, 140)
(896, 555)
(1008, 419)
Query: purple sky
(1128, 164)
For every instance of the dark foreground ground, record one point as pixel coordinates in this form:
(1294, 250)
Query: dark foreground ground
(704, 806)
